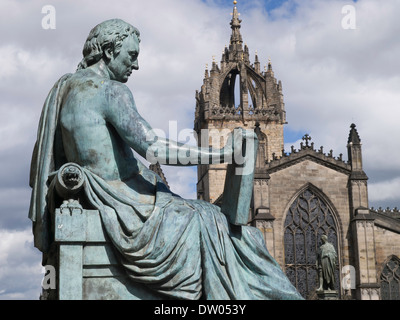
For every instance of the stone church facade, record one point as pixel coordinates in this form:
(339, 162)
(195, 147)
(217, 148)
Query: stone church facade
(300, 195)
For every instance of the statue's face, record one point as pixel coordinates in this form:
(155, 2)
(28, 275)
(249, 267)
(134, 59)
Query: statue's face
(122, 64)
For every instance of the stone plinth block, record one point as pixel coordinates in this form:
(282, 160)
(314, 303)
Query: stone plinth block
(328, 295)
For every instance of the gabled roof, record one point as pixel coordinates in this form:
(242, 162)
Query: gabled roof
(385, 219)
(307, 152)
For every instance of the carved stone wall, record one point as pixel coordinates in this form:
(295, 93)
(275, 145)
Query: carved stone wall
(366, 238)
(267, 229)
(284, 186)
(365, 257)
(387, 243)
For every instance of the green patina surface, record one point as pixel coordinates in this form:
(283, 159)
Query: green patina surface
(172, 247)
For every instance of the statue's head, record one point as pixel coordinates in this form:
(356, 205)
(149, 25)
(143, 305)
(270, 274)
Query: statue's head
(117, 43)
(324, 238)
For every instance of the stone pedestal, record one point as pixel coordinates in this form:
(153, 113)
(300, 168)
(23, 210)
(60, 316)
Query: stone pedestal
(328, 295)
(87, 267)
(84, 259)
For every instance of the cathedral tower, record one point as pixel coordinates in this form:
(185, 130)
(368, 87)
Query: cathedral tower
(300, 195)
(236, 93)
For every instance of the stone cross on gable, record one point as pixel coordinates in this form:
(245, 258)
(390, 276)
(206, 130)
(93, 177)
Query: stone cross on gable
(306, 138)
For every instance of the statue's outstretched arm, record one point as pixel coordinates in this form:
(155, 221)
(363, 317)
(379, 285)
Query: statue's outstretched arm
(122, 113)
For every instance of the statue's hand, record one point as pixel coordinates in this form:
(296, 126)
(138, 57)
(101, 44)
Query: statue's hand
(233, 148)
(71, 206)
(239, 136)
(249, 134)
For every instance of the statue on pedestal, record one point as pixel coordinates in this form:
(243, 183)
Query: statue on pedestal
(182, 249)
(326, 265)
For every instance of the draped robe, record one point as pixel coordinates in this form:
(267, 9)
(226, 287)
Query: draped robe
(183, 249)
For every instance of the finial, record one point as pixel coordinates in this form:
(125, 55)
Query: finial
(235, 2)
(213, 58)
(353, 136)
(306, 138)
(206, 74)
(269, 64)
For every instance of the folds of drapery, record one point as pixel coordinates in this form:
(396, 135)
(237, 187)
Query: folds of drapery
(43, 163)
(186, 249)
(328, 261)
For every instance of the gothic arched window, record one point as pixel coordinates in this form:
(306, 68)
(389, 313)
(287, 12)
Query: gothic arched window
(390, 279)
(308, 218)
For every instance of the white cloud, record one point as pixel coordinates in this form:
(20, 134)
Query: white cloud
(14, 122)
(387, 190)
(20, 266)
(331, 78)
(182, 180)
(31, 66)
(24, 75)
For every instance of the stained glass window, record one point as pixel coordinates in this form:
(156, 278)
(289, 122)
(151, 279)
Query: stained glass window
(308, 218)
(390, 279)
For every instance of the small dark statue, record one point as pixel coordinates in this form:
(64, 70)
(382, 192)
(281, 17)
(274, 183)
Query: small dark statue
(326, 265)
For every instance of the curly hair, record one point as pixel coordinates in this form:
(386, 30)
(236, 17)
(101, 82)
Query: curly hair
(108, 34)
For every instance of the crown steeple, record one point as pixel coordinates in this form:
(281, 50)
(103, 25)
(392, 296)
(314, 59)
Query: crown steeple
(237, 89)
(236, 38)
(237, 93)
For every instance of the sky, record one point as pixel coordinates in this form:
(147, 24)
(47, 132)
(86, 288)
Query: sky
(337, 68)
